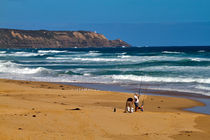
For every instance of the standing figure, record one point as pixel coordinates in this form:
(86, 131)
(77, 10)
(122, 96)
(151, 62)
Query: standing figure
(129, 105)
(136, 101)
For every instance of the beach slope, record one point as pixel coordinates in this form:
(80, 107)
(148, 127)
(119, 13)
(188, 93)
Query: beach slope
(46, 111)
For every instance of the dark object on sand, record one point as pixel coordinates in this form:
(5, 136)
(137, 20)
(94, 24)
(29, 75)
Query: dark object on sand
(20, 128)
(76, 109)
(33, 115)
(115, 109)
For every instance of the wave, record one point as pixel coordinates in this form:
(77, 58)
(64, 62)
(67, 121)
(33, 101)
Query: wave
(203, 87)
(201, 51)
(98, 59)
(195, 59)
(1, 52)
(21, 54)
(123, 53)
(181, 90)
(171, 52)
(124, 56)
(51, 51)
(59, 58)
(93, 53)
(161, 79)
(13, 68)
(175, 68)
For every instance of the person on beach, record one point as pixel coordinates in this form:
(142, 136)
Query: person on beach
(136, 101)
(129, 105)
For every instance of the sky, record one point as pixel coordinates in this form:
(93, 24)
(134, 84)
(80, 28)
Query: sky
(139, 22)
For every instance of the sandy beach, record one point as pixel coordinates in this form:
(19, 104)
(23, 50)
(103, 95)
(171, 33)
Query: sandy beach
(46, 111)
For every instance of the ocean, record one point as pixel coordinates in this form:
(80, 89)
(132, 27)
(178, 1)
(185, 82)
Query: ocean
(183, 69)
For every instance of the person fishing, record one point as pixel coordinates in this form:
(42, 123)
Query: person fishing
(129, 105)
(136, 101)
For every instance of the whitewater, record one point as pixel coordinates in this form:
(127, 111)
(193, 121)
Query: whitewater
(185, 69)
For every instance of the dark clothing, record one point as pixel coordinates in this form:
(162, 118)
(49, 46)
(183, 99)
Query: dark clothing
(136, 104)
(130, 99)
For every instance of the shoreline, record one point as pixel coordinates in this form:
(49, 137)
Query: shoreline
(43, 110)
(118, 88)
(203, 109)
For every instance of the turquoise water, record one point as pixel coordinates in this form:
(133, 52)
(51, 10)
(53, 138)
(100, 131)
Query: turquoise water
(185, 69)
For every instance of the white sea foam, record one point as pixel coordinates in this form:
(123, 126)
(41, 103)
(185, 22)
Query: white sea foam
(175, 68)
(161, 79)
(181, 90)
(86, 74)
(200, 59)
(123, 56)
(93, 53)
(97, 59)
(201, 51)
(13, 68)
(51, 51)
(20, 54)
(195, 59)
(59, 58)
(1, 52)
(173, 52)
(203, 87)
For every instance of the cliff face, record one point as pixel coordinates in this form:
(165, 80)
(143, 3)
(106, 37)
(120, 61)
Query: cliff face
(10, 38)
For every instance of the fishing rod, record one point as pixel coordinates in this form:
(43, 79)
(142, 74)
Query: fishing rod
(139, 92)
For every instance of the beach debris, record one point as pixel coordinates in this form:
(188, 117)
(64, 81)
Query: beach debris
(188, 131)
(33, 115)
(63, 104)
(158, 107)
(33, 108)
(115, 109)
(146, 134)
(20, 128)
(74, 109)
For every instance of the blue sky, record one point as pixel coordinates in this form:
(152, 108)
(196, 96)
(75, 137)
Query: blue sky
(126, 19)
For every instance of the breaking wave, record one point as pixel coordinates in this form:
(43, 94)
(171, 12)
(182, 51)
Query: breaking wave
(13, 68)
(161, 79)
(172, 52)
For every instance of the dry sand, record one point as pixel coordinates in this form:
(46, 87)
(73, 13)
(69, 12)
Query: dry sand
(45, 111)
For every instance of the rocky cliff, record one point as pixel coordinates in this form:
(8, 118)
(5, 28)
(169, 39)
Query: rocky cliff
(10, 38)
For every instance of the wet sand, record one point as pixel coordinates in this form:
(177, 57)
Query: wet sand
(46, 111)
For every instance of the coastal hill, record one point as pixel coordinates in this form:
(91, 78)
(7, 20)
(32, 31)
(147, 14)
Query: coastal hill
(11, 38)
